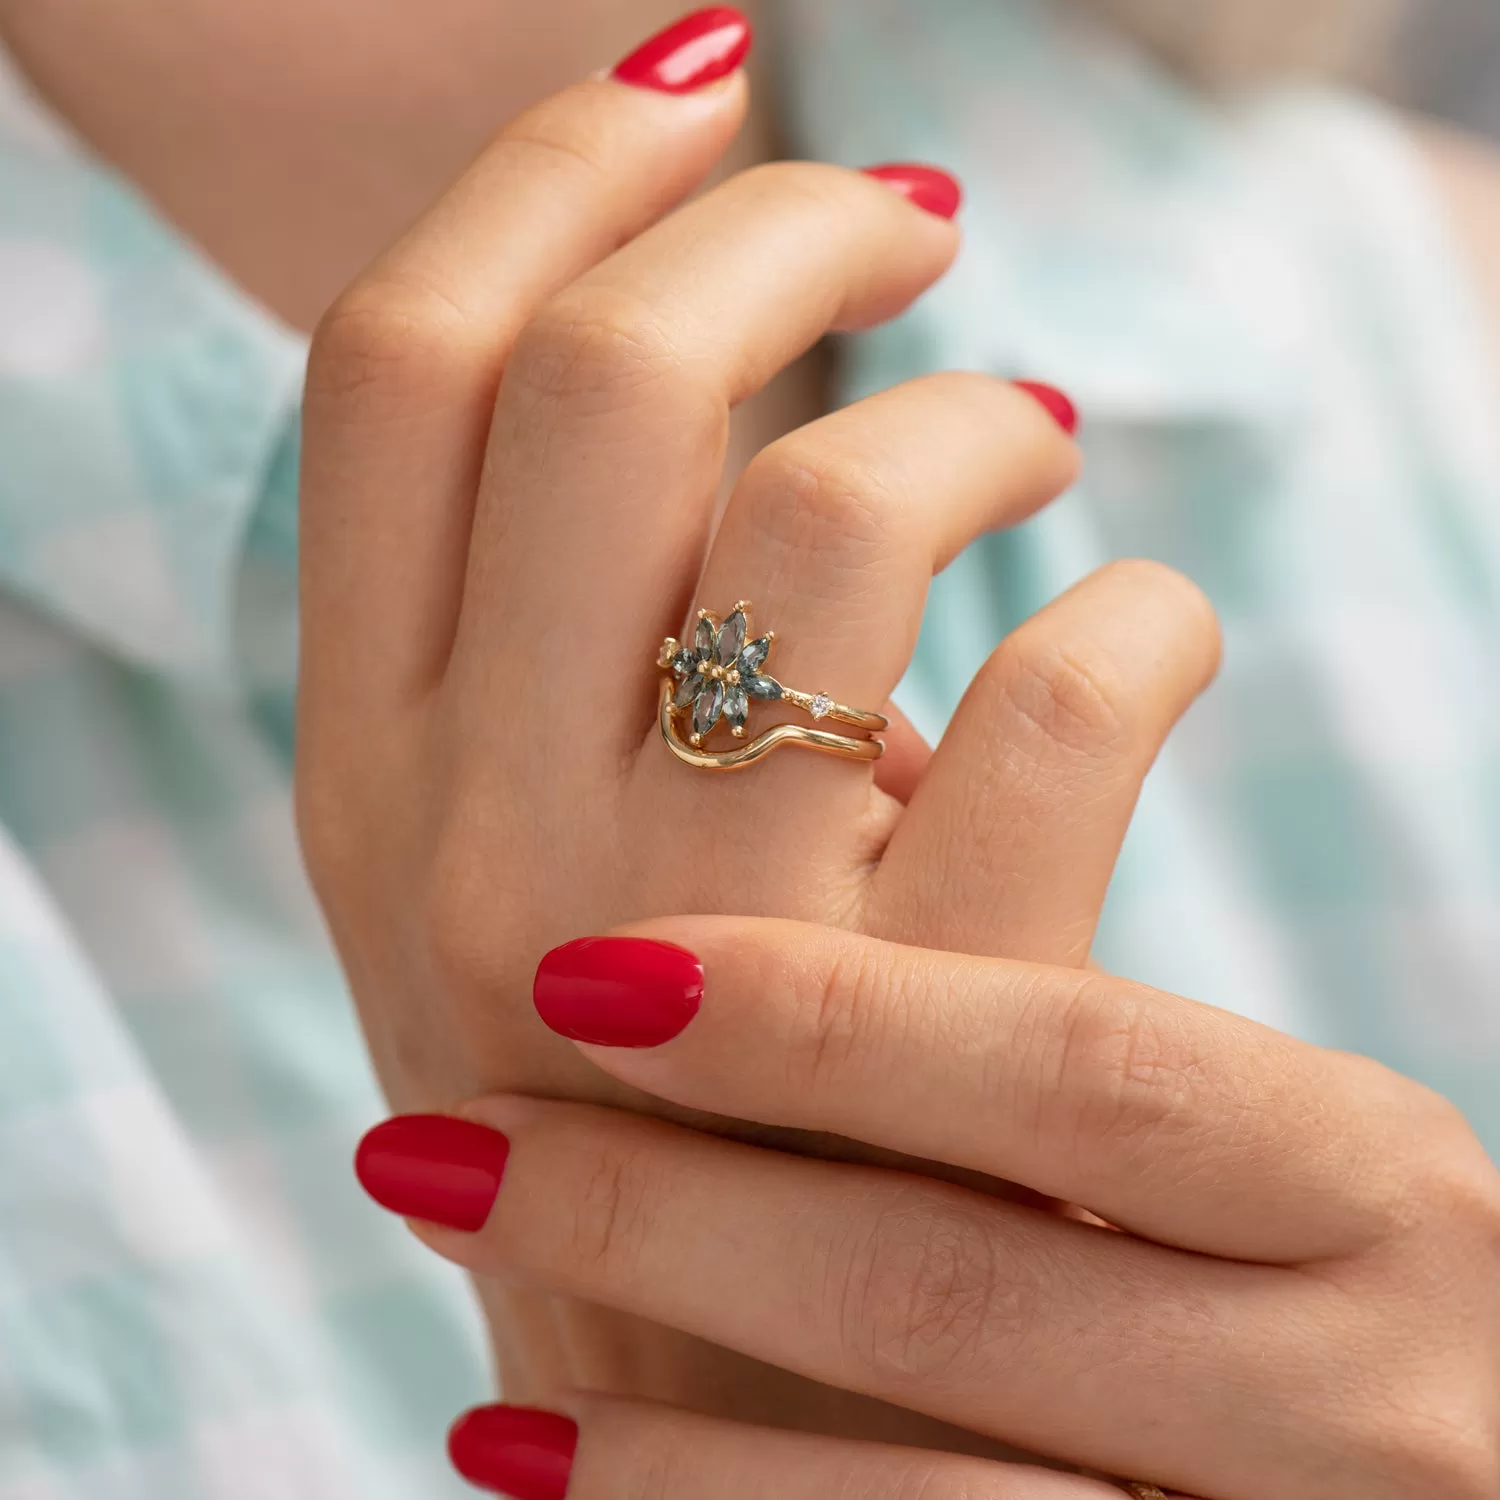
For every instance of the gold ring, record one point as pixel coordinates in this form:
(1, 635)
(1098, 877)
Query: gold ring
(1142, 1491)
(716, 680)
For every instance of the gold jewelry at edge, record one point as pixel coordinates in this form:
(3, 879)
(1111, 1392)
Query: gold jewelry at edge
(1142, 1491)
(719, 677)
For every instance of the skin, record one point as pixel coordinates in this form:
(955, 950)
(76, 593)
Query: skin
(427, 638)
(514, 431)
(1327, 1274)
(463, 530)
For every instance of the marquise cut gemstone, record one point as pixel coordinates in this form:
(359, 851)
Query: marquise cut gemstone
(736, 707)
(754, 654)
(708, 707)
(687, 690)
(703, 638)
(684, 661)
(761, 686)
(731, 637)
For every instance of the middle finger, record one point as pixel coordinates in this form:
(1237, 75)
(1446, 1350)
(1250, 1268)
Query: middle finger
(612, 418)
(1063, 1338)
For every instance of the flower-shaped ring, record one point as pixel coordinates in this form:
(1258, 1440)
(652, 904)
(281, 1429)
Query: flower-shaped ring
(716, 680)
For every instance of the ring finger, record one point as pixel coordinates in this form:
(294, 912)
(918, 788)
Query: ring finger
(836, 530)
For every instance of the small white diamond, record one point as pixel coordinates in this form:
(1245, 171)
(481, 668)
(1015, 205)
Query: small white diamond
(821, 706)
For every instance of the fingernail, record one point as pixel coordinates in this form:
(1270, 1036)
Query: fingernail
(695, 51)
(618, 992)
(516, 1450)
(433, 1167)
(1058, 403)
(927, 187)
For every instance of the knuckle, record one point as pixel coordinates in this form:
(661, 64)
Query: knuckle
(1126, 1074)
(1438, 1178)
(1074, 706)
(927, 1294)
(599, 349)
(1461, 1195)
(557, 137)
(809, 496)
(378, 348)
(610, 1215)
(836, 1024)
(657, 1475)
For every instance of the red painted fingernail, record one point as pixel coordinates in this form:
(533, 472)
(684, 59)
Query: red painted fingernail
(697, 50)
(618, 992)
(1057, 402)
(433, 1167)
(516, 1450)
(927, 187)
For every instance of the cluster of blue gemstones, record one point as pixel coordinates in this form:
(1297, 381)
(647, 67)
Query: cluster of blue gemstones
(720, 673)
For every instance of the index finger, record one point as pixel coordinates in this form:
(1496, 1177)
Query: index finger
(1189, 1125)
(404, 367)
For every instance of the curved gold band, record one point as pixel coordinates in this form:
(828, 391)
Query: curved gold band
(763, 744)
(719, 677)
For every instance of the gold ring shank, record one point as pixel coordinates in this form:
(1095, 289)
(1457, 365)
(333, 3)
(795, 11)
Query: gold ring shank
(781, 734)
(838, 712)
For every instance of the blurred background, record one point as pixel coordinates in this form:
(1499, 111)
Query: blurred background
(1447, 61)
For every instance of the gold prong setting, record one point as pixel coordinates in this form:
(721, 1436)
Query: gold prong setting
(716, 678)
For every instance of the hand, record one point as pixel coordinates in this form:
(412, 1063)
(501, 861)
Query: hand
(1304, 1300)
(514, 436)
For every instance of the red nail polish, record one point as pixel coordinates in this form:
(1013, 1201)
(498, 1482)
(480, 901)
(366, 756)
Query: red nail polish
(516, 1450)
(695, 51)
(1058, 403)
(927, 187)
(433, 1167)
(618, 992)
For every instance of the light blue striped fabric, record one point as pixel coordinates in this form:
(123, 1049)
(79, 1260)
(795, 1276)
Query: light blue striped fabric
(196, 1301)
(1288, 395)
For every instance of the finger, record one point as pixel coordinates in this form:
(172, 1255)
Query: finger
(1010, 841)
(836, 530)
(1178, 1121)
(610, 426)
(605, 1448)
(906, 757)
(404, 367)
(1014, 1323)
